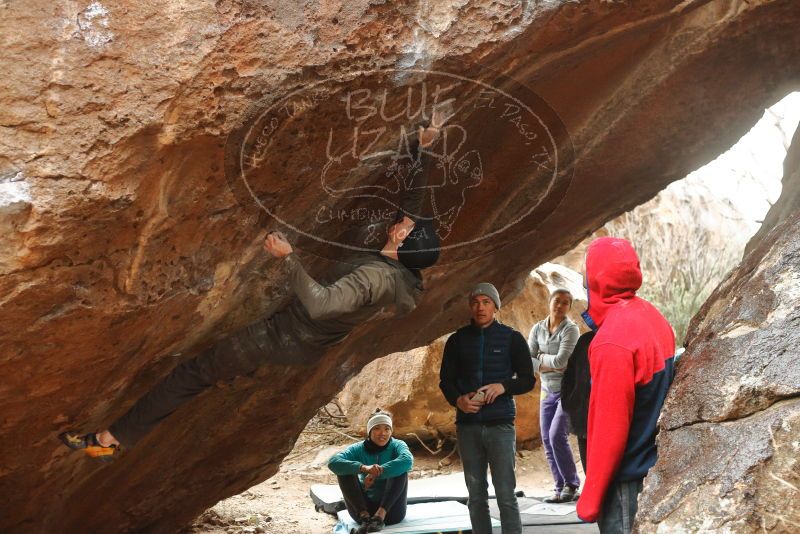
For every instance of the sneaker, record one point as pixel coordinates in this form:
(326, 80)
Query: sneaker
(375, 524)
(363, 522)
(555, 498)
(569, 494)
(89, 445)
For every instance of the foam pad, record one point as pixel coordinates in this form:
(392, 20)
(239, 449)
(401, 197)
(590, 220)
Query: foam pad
(432, 517)
(328, 497)
(536, 512)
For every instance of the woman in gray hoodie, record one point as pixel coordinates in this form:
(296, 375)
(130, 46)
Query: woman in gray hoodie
(551, 342)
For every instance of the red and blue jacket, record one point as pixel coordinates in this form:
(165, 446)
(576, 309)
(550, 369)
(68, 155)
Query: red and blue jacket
(631, 362)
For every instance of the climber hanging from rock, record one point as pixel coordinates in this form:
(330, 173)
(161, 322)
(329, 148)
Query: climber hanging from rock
(318, 317)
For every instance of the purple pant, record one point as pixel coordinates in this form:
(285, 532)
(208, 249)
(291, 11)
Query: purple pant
(554, 425)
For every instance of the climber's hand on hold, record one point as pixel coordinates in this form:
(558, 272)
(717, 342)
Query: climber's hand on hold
(428, 135)
(277, 245)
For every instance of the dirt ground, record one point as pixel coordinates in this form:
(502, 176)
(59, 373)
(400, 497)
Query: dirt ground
(282, 505)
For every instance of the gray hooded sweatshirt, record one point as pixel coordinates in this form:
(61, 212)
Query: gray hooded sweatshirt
(552, 350)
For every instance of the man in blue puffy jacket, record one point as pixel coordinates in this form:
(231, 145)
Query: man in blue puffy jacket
(485, 363)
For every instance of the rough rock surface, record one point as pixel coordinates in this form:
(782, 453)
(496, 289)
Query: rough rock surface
(407, 383)
(124, 249)
(728, 447)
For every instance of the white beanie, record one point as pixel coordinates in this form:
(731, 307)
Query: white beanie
(378, 418)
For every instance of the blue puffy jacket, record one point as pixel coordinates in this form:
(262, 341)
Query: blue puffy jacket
(474, 357)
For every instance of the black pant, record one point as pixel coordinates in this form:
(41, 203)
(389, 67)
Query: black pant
(393, 499)
(270, 340)
(582, 450)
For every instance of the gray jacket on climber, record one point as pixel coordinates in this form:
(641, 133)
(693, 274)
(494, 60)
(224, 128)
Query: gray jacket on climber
(376, 286)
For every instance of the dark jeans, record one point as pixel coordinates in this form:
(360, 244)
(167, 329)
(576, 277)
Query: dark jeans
(494, 446)
(619, 507)
(393, 500)
(237, 355)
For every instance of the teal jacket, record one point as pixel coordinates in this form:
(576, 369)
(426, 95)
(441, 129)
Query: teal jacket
(395, 459)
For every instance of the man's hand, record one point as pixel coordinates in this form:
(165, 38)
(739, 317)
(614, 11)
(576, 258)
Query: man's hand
(276, 245)
(369, 481)
(492, 391)
(400, 230)
(428, 135)
(467, 405)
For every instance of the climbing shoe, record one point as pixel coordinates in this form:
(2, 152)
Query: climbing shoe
(88, 444)
(375, 524)
(363, 522)
(555, 498)
(569, 494)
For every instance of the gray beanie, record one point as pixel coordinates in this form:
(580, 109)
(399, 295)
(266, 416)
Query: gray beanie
(485, 288)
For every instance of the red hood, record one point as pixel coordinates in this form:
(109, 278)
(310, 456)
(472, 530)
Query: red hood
(612, 274)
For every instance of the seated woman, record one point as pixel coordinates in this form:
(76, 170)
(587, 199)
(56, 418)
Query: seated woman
(373, 476)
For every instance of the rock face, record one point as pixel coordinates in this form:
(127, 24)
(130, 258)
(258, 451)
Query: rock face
(407, 383)
(139, 156)
(728, 447)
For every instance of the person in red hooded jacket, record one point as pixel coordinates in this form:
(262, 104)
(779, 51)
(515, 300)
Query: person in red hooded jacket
(631, 362)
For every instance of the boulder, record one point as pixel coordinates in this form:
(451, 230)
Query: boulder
(132, 230)
(730, 429)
